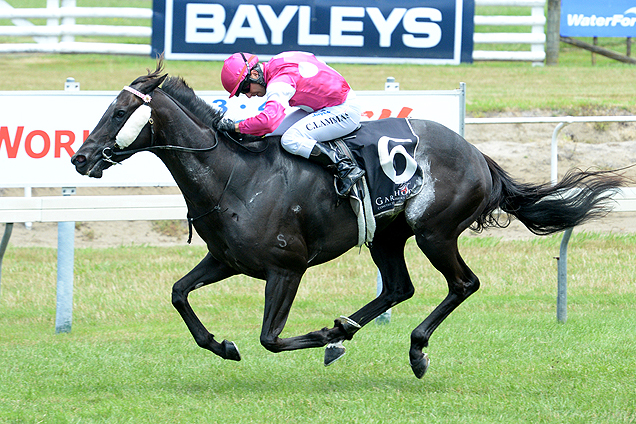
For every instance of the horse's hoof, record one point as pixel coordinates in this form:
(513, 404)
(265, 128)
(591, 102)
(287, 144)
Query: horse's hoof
(333, 352)
(420, 366)
(231, 351)
(348, 325)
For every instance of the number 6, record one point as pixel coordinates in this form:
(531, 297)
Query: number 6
(386, 160)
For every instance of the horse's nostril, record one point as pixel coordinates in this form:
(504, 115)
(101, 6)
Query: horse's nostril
(79, 159)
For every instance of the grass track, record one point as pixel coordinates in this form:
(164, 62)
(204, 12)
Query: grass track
(501, 357)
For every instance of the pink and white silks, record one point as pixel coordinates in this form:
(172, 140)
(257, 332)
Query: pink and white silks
(327, 108)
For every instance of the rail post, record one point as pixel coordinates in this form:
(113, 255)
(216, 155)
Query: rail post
(65, 256)
(68, 21)
(562, 260)
(385, 317)
(8, 229)
(50, 5)
(552, 33)
(562, 277)
(65, 261)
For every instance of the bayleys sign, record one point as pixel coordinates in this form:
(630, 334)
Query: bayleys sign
(355, 31)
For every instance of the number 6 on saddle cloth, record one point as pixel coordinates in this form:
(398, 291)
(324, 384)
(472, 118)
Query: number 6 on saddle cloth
(393, 175)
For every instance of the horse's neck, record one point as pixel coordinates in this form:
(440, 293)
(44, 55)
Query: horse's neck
(212, 177)
(192, 171)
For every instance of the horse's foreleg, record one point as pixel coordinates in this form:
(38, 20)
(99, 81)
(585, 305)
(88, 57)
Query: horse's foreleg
(462, 282)
(208, 271)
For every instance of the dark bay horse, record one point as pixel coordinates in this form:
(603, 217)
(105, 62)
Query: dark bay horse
(270, 215)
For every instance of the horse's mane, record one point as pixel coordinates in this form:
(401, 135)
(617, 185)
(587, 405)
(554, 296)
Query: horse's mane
(180, 91)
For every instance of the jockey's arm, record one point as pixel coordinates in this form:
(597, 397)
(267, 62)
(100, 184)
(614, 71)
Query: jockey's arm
(277, 99)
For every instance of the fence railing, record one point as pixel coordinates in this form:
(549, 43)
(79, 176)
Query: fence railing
(625, 198)
(535, 38)
(57, 36)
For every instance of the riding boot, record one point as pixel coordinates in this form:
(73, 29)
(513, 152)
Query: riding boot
(344, 168)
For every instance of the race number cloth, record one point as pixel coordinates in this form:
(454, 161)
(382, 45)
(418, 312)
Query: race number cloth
(386, 150)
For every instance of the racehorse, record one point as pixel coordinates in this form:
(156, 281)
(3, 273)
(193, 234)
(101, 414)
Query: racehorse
(270, 215)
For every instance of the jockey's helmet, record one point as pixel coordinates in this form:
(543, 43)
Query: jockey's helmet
(236, 70)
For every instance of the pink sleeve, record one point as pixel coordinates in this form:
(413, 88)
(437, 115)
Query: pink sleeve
(266, 121)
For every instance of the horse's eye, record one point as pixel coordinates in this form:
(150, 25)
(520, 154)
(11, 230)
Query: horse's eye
(120, 114)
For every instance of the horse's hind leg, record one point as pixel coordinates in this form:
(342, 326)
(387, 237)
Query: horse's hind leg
(387, 251)
(208, 271)
(462, 282)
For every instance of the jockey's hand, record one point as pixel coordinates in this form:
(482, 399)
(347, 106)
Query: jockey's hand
(226, 124)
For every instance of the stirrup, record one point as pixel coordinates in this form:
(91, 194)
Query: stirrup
(345, 184)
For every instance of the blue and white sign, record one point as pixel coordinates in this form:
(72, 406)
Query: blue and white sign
(610, 18)
(350, 31)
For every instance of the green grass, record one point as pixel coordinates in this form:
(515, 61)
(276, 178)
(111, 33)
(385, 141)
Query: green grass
(501, 357)
(491, 87)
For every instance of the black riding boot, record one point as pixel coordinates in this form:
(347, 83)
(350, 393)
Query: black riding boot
(347, 171)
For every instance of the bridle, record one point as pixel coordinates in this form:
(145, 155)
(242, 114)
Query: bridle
(109, 152)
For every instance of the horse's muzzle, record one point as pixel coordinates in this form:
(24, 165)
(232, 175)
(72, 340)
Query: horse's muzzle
(80, 163)
(83, 166)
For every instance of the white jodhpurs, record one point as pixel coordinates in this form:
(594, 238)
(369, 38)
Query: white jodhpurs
(321, 125)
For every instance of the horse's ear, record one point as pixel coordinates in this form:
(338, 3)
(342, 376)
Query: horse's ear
(153, 80)
(148, 83)
(154, 83)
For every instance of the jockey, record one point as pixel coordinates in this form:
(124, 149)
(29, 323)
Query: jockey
(326, 107)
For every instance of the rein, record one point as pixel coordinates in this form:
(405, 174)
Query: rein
(116, 150)
(109, 152)
(243, 146)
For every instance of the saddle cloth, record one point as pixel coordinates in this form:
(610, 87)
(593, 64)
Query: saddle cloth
(385, 149)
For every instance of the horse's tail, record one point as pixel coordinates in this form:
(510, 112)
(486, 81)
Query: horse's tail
(546, 208)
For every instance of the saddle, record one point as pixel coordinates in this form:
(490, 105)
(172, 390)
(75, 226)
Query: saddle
(385, 149)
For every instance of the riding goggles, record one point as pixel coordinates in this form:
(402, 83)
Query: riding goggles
(245, 84)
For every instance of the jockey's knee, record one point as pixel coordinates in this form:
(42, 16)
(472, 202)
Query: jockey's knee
(296, 144)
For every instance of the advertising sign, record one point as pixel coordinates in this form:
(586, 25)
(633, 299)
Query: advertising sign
(611, 18)
(352, 31)
(40, 131)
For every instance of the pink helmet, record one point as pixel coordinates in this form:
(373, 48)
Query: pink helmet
(235, 69)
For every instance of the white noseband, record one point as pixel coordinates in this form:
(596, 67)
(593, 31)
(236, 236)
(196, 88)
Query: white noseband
(136, 122)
